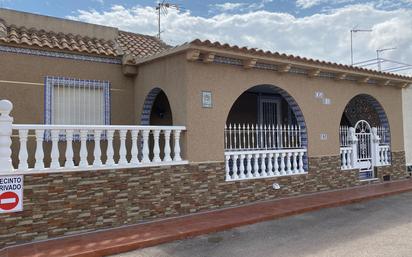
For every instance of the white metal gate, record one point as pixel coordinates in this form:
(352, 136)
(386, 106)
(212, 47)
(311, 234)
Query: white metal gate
(363, 132)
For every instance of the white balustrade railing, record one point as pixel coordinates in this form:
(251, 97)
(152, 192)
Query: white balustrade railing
(241, 165)
(84, 147)
(239, 137)
(344, 136)
(144, 146)
(347, 158)
(383, 155)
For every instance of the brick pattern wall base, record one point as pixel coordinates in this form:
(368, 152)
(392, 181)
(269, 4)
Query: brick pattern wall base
(61, 204)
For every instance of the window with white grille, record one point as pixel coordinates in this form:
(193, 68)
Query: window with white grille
(74, 101)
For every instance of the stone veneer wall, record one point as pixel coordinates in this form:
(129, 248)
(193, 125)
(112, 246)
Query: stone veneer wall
(61, 204)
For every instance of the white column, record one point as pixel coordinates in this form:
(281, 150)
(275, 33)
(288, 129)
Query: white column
(289, 163)
(167, 151)
(177, 156)
(23, 155)
(145, 150)
(234, 166)
(122, 150)
(97, 150)
(256, 165)
(6, 122)
(55, 149)
(69, 149)
(39, 155)
(156, 148)
(134, 152)
(344, 152)
(110, 151)
(83, 148)
(282, 164)
(263, 165)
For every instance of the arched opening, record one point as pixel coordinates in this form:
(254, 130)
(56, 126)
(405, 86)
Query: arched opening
(364, 136)
(265, 135)
(156, 109)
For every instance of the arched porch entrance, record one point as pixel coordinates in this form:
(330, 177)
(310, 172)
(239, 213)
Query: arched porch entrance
(265, 135)
(364, 136)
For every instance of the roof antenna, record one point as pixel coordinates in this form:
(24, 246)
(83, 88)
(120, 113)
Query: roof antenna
(161, 9)
(378, 59)
(354, 30)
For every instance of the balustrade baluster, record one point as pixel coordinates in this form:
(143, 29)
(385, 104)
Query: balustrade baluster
(226, 146)
(83, 148)
(289, 163)
(177, 156)
(134, 160)
(145, 150)
(301, 169)
(167, 150)
(242, 166)
(235, 169)
(276, 164)
(282, 163)
(23, 155)
(39, 155)
(256, 165)
(227, 167)
(344, 159)
(156, 148)
(110, 151)
(249, 166)
(69, 149)
(263, 165)
(122, 150)
(97, 148)
(55, 149)
(295, 168)
(270, 165)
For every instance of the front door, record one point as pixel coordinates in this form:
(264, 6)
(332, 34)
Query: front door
(269, 110)
(363, 132)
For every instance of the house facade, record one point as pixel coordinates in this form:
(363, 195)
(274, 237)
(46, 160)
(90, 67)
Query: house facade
(112, 128)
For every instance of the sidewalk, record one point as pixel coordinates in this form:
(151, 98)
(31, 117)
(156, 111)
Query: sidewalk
(137, 236)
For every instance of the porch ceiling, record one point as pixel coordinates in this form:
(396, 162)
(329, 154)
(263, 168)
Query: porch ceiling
(208, 52)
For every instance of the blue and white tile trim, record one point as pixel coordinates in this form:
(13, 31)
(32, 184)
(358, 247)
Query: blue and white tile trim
(78, 57)
(51, 81)
(148, 104)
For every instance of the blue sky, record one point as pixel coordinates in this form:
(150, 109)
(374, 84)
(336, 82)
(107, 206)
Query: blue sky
(62, 8)
(317, 29)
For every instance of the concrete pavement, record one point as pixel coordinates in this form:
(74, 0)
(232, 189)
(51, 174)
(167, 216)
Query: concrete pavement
(381, 227)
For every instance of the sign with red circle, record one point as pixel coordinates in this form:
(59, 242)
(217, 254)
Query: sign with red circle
(8, 201)
(11, 193)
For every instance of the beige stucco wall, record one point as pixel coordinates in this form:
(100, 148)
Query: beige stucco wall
(31, 20)
(407, 125)
(17, 71)
(227, 82)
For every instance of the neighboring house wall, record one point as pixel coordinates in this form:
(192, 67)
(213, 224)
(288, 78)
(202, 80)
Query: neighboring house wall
(407, 125)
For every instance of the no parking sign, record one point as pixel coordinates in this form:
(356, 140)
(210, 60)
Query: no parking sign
(11, 194)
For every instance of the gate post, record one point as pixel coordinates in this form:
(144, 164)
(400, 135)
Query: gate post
(354, 144)
(375, 147)
(5, 135)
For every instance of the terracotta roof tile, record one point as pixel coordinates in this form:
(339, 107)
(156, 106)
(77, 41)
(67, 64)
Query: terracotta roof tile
(140, 45)
(48, 39)
(255, 51)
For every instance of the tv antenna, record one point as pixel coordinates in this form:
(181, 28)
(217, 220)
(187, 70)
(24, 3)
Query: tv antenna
(355, 30)
(161, 9)
(378, 59)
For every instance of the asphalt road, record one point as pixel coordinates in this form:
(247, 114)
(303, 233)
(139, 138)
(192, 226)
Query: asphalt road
(381, 227)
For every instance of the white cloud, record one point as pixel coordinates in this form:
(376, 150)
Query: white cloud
(228, 6)
(321, 36)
